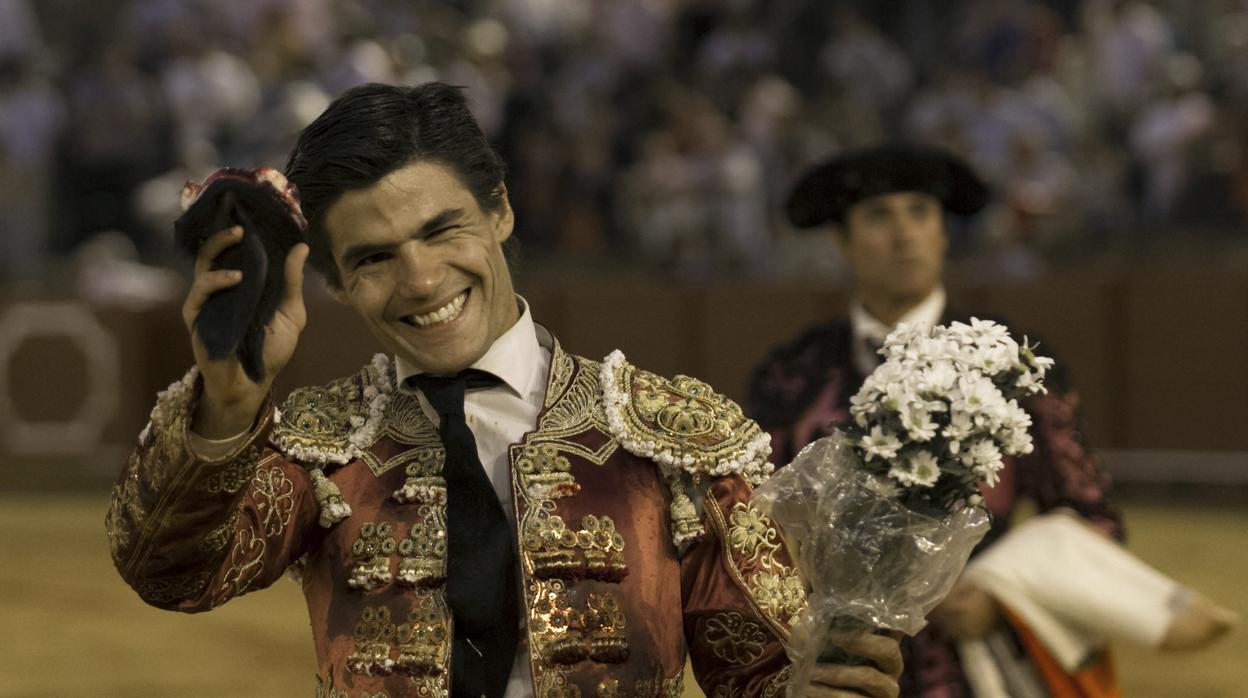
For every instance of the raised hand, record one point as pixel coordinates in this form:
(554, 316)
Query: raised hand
(230, 399)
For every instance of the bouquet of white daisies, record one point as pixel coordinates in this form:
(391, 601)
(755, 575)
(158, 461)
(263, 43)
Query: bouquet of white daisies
(882, 516)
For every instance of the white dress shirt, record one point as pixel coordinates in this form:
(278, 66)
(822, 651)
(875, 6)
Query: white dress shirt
(868, 331)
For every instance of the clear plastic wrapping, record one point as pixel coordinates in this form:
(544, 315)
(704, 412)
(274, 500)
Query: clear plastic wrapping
(869, 561)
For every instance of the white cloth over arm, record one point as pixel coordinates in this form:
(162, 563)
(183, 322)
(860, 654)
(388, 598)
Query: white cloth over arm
(1075, 588)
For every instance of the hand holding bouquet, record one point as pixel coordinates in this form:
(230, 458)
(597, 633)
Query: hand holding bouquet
(882, 516)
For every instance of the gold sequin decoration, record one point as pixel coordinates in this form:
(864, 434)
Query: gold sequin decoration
(424, 640)
(548, 544)
(603, 548)
(553, 683)
(576, 411)
(371, 552)
(686, 524)
(372, 636)
(318, 419)
(608, 688)
(423, 483)
(734, 639)
(555, 626)
(422, 554)
(545, 471)
(606, 629)
(553, 550)
(561, 368)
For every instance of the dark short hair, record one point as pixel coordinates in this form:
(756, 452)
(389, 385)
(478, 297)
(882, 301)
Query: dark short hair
(373, 130)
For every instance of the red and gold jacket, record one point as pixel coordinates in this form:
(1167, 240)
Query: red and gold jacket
(637, 539)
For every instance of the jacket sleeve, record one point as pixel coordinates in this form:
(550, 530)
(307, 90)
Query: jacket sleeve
(739, 591)
(741, 595)
(1062, 471)
(188, 533)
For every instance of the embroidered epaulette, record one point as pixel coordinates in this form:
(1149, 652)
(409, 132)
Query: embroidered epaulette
(682, 423)
(333, 424)
(690, 430)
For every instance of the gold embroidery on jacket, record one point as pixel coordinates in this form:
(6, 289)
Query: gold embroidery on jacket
(422, 554)
(733, 638)
(682, 423)
(608, 688)
(561, 367)
(371, 553)
(554, 684)
(686, 523)
(662, 686)
(751, 551)
(545, 472)
(233, 475)
(155, 475)
(777, 684)
(606, 628)
(549, 546)
(372, 636)
(324, 690)
(422, 468)
(219, 537)
(167, 590)
(319, 418)
(555, 551)
(408, 424)
(424, 640)
(576, 411)
(125, 511)
(273, 494)
(603, 548)
(555, 627)
(246, 562)
(727, 690)
(751, 534)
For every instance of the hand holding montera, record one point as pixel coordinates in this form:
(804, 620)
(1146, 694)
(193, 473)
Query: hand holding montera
(245, 309)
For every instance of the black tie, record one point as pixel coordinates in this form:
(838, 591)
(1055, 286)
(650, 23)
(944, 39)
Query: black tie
(481, 559)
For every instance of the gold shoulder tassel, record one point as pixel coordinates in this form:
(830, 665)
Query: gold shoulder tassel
(686, 524)
(333, 507)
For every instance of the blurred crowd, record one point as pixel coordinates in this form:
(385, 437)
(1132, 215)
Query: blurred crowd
(662, 132)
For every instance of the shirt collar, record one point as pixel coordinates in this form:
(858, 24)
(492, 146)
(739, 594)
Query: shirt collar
(510, 357)
(925, 315)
